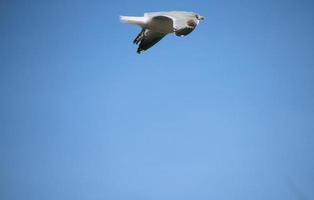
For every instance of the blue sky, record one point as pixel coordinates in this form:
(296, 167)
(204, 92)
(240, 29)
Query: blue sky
(224, 113)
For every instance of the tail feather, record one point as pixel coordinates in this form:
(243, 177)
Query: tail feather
(133, 20)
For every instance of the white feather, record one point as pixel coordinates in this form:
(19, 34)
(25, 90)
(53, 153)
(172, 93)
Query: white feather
(141, 21)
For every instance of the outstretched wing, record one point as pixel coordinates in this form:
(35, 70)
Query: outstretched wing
(183, 24)
(183, 28)
(147, 38)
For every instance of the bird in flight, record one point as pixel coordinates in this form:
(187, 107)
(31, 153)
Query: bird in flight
(156, 25)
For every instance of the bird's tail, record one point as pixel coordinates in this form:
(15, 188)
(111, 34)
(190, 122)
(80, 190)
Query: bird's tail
(133, 20)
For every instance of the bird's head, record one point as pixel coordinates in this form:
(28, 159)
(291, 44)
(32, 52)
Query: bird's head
(199, 17)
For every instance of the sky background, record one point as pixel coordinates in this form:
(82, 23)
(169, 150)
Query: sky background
(225, 113)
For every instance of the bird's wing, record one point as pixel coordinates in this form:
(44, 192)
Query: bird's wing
(147, 38)
(182, 24)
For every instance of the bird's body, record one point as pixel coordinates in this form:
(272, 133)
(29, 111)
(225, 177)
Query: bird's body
(156, 25)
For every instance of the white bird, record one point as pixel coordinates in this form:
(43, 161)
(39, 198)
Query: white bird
(156, 25)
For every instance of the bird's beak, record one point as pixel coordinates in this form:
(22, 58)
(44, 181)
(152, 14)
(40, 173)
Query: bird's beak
(201, 18)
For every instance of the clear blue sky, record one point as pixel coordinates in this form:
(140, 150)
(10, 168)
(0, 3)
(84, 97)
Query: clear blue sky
(226, 113)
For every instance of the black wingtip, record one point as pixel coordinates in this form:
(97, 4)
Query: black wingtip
(140, 51)
(139, 37)
(135, 41)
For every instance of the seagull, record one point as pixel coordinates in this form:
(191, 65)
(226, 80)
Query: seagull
(156, 25)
